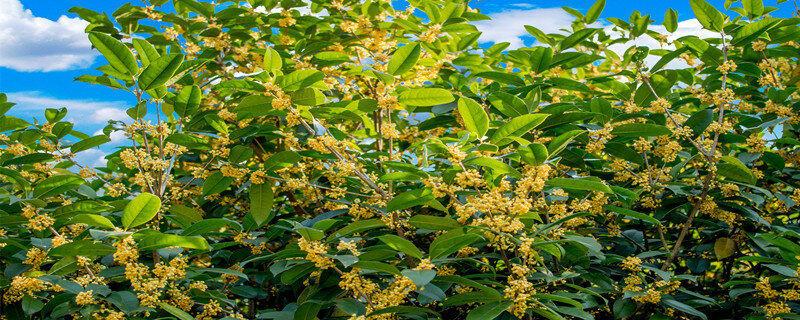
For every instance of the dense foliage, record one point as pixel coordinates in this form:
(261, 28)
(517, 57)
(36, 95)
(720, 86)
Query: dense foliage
(349, 160)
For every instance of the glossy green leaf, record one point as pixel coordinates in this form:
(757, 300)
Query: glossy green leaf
(404, 58)
(671, 20)
(89, 143)
(216, 183)
(708, 16)
(594, 11)
(140, 210)
(516, 127)
(488, 311)
(401, 244)
(475, 118)
(579, 184)
(118, 55)
(640, 130)
(425, 97)
(160, 71)
(410, 199)
(188, 101)
(158, 240)
(261, 200)
(272, 60)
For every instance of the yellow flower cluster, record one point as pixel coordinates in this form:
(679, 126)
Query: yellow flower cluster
(21, 286)
(85, 298)
(632, 264)
(519, 290)
(316, 252)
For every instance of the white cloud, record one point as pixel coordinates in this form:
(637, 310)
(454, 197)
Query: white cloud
(31, 43)
(509, 25)
(117, 137)
(108, 113)
(523, 5)
(91, 158)
(690, 27)
(80, 111)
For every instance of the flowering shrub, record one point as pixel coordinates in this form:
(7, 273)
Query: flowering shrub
(349, 160)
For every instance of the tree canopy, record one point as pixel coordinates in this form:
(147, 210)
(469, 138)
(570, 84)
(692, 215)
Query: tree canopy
(345, 159)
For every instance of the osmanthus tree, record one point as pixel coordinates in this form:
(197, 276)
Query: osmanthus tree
(351, 160)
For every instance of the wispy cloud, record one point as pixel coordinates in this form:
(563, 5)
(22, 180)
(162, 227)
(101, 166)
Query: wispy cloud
(690, 27)
(31, 103)
(31, 43)
(91, 158)
(509, 25)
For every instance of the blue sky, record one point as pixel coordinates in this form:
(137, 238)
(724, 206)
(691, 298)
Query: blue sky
(43, 48)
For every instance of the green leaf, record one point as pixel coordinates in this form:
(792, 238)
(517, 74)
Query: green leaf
(682, 307)
(118, 55)
(160, 71)
(281, 160)
(594, 11)
(516, 127)
(633, 214)
(307, 311)
(707, 15)
(216, 183)
(539, 35)
(425, 97)
(55, 115)
(475, 118)
(731, 168)
(56, 185)
(307, 97)
(261, 199)
(210, 226)
(272, 60)
(410, 199)
(404, 59)
(540, 58)
(754, 8)
(240, 154)
(359, 226)
(94, 220)
(401, 244)
(489, 311)
(188, 100)
(31, 305)
(752, 31)
(175, 311)
(37, 157)
(640, 130)
(450, 242)
(508, 104)
(89, 143)
(586, 184)
(534, 153)
(157, 240)
(559, 143)
(87, 248)
(422, 221)
(724, 247)
(140, 210)
(146, 51)
(498, 167)
(576, 38)
(420, 277)
(671, 20)
(300, 79)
